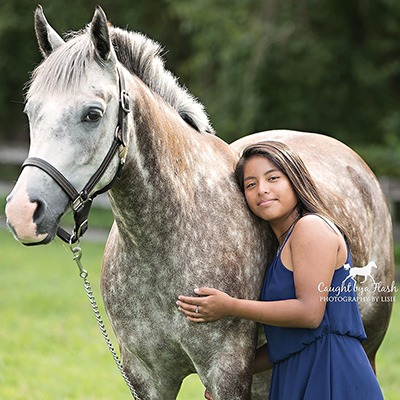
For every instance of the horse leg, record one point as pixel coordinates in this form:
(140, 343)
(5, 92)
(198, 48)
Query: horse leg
(260, 386)
(151, 383)
(229, 376)
(227, 379)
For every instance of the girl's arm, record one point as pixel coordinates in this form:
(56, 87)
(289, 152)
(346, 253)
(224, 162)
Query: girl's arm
(261, 361)
(313, 253)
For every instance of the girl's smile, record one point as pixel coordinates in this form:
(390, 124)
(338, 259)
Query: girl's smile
(265, 202)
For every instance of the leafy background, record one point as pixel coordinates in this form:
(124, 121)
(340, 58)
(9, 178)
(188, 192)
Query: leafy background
(323, 66)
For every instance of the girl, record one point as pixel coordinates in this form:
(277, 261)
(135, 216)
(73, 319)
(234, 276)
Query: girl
(311, 319)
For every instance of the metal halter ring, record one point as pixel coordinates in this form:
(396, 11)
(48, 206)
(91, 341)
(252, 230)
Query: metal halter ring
(197, 310)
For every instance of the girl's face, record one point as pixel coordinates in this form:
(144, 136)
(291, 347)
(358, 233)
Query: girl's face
(268, 191)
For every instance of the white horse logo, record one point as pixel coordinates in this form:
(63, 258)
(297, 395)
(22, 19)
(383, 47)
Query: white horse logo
(361, 271)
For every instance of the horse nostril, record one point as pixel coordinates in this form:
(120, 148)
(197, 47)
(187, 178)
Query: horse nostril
(39, 213)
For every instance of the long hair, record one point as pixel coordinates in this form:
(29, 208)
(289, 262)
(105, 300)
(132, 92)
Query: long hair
(290, 163)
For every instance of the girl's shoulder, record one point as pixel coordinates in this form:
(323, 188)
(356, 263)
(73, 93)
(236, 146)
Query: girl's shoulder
(316, 236)
(316, 227)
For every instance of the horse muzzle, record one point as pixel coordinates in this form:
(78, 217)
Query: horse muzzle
(29, 216)
(21, 214)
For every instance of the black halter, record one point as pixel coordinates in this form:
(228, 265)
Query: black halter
(82, 201)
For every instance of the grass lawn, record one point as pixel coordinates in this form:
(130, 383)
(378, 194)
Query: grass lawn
(50, 345)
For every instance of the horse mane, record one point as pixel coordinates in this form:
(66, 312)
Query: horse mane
(142, 57)
(67, 65)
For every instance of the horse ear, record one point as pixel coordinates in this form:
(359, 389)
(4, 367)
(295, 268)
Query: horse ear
(48, 39)
(100, 35)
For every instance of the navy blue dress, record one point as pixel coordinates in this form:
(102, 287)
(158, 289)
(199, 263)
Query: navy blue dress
(327, 363)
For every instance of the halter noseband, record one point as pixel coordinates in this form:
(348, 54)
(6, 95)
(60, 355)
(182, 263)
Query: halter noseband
(82, 201)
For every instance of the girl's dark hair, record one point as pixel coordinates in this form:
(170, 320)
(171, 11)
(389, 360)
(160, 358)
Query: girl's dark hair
(290, 163)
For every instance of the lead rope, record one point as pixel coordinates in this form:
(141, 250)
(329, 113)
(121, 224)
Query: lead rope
(77, 252)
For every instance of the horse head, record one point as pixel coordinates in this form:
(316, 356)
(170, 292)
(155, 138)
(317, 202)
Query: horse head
(72, 106)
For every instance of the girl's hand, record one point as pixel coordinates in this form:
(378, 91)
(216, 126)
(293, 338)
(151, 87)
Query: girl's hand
(207, 395)
(215, 306)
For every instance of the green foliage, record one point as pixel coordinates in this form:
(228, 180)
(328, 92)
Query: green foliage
(322, 66)
(313, 66)
(383, 159)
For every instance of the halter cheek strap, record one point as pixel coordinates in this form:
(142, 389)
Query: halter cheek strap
(82, 201)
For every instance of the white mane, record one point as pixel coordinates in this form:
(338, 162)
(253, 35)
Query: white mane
(67, 65)
(141, 56)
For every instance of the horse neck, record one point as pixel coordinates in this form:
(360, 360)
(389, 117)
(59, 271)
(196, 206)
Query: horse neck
(167, 160)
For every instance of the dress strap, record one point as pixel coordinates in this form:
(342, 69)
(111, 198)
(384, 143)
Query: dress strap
(348, 260)
(280, 248)
(329, 223)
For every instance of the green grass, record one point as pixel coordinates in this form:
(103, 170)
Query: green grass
(50, 345)
(388, 358)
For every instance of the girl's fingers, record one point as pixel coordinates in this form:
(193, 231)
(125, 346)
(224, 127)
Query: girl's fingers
(194, 315)
(186, 307)
(205, 291)
(191, 300)
(198, 319)
(189, 312)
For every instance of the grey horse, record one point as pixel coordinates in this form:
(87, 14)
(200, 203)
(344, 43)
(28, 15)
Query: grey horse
(180, 219)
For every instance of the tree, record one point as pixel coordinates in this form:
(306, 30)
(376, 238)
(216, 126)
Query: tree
(321, 66)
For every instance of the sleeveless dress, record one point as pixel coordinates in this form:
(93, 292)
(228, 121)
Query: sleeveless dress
(327, 363)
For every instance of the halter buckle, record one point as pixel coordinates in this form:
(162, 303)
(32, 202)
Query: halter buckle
(78, 202)
(82, 228)
(124, 100)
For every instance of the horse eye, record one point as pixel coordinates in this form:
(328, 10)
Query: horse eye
(93, 116)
